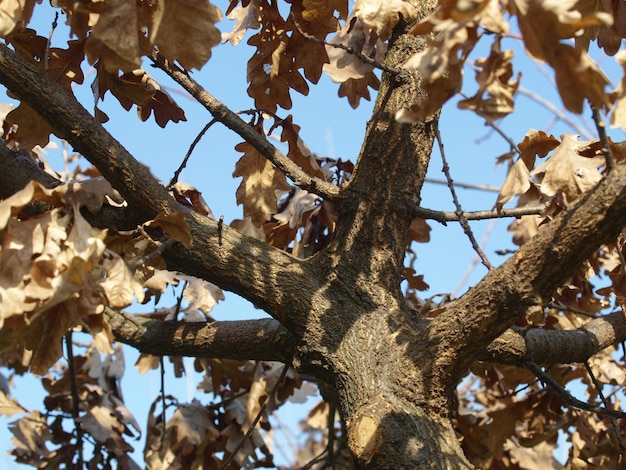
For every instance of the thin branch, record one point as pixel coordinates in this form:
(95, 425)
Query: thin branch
(364, 58)
(195, 142)
(75, 399)
(231, 120)
(279, 382)
(559, 306)
(445, 216)
(459, 211)
(604, 140)
(567, 397)
(263, 339)
(52, 28)
(558, 113)
(480, 187)
(605, 403)
(73, 123)
(491, 123)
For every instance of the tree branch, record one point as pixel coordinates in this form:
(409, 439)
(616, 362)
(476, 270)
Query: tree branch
(263, 340)
(527, 279)
(231, 120)
(445, 216)
(551, 347)
(253, 269)
(73, 123)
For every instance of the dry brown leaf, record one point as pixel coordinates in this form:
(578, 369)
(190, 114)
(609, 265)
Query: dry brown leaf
(9, 406)
(517, 182)
(15, 14)
(618, 116)
(139, 88)
(260, 185)
(567, 171)
(493, 75)
(114, 39)
(246, 18)
(175, 226)
(381, 16)
(184, 31)
(120, 286)
(30, 434)
(543, 26)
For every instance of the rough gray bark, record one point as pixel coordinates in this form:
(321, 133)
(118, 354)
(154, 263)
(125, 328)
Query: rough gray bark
(341, 313)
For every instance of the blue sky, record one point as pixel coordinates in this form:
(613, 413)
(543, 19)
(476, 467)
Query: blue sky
(330, 127)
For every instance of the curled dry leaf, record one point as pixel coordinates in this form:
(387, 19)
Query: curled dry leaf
(569, 172)
(381, 16)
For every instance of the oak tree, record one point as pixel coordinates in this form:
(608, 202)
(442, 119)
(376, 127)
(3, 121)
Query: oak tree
(325, 246)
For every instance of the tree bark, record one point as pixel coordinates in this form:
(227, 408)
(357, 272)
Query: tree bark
(340, 315)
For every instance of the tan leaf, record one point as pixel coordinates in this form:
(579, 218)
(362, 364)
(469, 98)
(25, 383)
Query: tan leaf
(147, 362)
(15, 14)
(201, 294)
(300, 203)
(90, 193)
(493, 75)
(175, 226)
(32, 129)
(190, 196)
(567, 171)
(246, 227)
(120, 286)
(246, 18)
(9, 406)
(381, 16)
(114, 39)
(30, 434)
(618, 116)
(139, 88)
(419, 230)
(184, 31)
(517, 182)
(260, 185)
(103, 425)
(543, 26)
(356, 88)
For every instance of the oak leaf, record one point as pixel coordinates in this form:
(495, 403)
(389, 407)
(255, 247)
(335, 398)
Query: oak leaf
(246, 18)
(15, 14)
(184, 31)
(567, 171)
(381, 16)
(260, 185)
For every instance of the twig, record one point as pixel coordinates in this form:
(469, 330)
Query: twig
(459, 211)
(605, 403)
(604, 140)
(445, 216)
(567, 397)
(472, 266)
(52, 28)
(195, 142)
(480, 187)
(491, 123)
(231, 120)
(559, 114)
(330, 447)
(578, 311)
(158, 251)
(367, 59)
(75, 400)
(230, 458)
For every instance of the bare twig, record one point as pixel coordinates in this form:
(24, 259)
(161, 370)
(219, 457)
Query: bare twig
(195, 142)
(231, 120)
(230, 458)
(491, 123)
(605, 403)
(558, 113)
(604, 140)
(52, 28)
(559, 306)
(480, 187)
(567, 397)
(446, 216)
(475, 260)
(75, 399)
(459, 211)
(364, 58)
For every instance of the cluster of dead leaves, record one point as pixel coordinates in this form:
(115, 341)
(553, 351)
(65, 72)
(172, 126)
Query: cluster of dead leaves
(546, 27)
(509, 420)
(42, 439)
